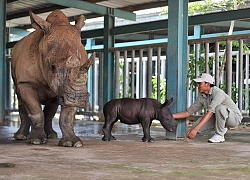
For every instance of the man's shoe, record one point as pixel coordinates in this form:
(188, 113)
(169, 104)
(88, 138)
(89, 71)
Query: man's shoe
(216, 139)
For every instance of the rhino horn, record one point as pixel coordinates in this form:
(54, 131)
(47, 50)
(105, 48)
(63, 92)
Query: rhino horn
(86, 66)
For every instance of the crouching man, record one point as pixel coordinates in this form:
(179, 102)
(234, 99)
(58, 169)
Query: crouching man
(222, 113)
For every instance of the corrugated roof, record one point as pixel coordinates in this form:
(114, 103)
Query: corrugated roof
(18, 16)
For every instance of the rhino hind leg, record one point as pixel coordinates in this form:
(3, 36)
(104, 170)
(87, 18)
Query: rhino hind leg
(23, 130)
(107, 136)
(49, 113)
(148, 140)
(107, 128)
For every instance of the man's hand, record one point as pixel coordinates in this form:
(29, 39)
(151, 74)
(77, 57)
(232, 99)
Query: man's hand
(191, 133)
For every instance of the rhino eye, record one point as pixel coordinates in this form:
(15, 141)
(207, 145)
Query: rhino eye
(53, 68)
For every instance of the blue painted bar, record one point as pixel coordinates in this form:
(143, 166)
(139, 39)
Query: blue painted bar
(19, 32)
(89, 44)
(177, 60)
(2, 60)
(7, 83)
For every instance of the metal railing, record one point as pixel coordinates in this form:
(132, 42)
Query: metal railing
(140, 71)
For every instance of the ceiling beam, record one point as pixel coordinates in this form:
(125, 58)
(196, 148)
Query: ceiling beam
(193, 20)
(95, 8)
(220, 16)
(36, 11)
(238, 24)
(11, 1)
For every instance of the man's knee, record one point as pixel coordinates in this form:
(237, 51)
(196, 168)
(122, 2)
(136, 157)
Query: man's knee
(221, 111)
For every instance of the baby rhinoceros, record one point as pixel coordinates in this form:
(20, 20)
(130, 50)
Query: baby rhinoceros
(135, 111)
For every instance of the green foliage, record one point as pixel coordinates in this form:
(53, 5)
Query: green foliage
(205, 6)
(234, 95)
(162, 88)
(201, 68)
(211, 5)
(128, 89)
(235, 44)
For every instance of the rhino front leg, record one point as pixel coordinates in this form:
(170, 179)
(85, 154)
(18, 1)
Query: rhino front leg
(49, 113)
(66, 122)
(29, 98)
(146, 131)
(37, 134)
(23, 130)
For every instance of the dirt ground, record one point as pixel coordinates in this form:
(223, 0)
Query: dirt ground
(127, 158)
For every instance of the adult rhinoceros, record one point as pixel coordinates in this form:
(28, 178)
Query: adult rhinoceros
(49, 67)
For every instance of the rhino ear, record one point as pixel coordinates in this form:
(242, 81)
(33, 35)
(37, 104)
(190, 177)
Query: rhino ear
(39, 23)
(168, 102)
(79, 22)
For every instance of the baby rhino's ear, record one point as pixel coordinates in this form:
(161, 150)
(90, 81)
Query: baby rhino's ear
(168, 102)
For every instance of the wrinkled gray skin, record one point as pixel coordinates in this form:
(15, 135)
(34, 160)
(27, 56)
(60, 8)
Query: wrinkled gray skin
(135, 111)
(49, 67)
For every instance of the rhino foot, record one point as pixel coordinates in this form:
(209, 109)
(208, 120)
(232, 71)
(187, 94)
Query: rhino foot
(148, 140)
(52, 135)
(68, 143)
(108, 139)
(18, 136)
(37, 141)
(37, 137)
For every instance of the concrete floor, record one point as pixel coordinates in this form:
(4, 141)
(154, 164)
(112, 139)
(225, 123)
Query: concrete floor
(127, 157)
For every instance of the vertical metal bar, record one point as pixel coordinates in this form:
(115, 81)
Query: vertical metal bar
(140, 74)
(137, 86)
(206, 57)
(159, 74)
(247, 83)
(125, 67)
(197, 52)
(149, 72)
(177, 57)
(94, 95)
(217, 63)
(144, 77)
(2, 60)
(241, 77)
(187, 82)
(166, 71)
(100, 87)
(133, 74)
(229, 70)
(7, 76)
(91, 78)
(108, 42)
(117, 74)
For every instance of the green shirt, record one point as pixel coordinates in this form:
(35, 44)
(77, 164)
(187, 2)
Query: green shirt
(215, 97)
